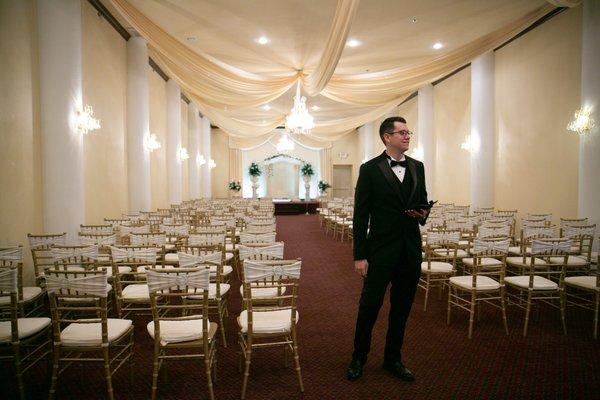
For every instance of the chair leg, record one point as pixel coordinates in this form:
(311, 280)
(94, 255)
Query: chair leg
(503, 304)
(426, 292)
(597, 308)
(109, 387)
(19, 373)
(54, 378)
(472, 313)
(246, 371)
(563, 311)
(207, 365)
(449, 305)
(155, 368)
(222, 325)
(527, 312)
(297, 359)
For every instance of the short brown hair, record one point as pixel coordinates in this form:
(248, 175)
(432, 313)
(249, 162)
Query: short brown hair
(387, 126)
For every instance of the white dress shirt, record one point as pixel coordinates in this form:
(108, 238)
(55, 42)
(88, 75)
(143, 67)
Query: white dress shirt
(397, 169)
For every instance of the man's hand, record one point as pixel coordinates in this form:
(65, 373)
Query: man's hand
(419, 214)
(361, 267)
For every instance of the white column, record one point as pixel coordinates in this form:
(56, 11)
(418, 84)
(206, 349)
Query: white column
(194, 151)
(206, 170)
(426, 139)
(365, 137)
(138, 125)
(174, 142)
(59, 41)
(589, 144)
(482, 131)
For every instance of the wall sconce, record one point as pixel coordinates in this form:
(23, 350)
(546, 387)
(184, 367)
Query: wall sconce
(151, 143)
(200, 160)
(343, 155)
(183, 154)
(471, 143)
(582, 121)
(211, 164)
(86, 121)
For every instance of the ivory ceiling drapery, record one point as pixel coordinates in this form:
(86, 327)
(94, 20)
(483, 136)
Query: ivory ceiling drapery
(228, 95)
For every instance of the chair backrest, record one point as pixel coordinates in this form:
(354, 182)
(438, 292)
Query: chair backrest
(40, 250)
(77, 256)
(91, 290)
(282, 275)
(268, 237)
(583, 238)
(9, 288)
(173, 285)
(132, 257)
(259, 251)
(99, 239)
(158, 239)
(496, 232)
(104, 229)
(175, 229)
(261, 228)
(206, 239)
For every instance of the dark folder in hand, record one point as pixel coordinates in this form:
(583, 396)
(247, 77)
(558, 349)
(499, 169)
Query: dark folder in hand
(424, 206)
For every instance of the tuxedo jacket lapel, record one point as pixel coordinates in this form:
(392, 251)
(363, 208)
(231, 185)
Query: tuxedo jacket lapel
(385, 168)
(413, 172)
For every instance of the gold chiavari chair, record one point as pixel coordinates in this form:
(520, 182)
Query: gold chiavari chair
(566, 222)
(584, 292)
(438, 266)
(126, 229)
(23, 341)
(181, 330)
(485, 282)
(104, 229)
(263, 326)
(78, 340)
(40, 252)
(522, 259)
(580, 260)
(218, 291)
(206, 240)
(176, 235)
(545, 284)
(129, 265)
(249, 238)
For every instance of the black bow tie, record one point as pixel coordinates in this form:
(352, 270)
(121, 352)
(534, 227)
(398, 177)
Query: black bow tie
(400, 163)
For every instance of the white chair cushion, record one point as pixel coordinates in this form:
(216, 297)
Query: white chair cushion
(517, 250)
(228, 256)
(143, 268)
(572, 260)
(122, 270)
(180, 331)
(262, 292)
(267, 321)
(171, 257)
(227, 269)
(136, 292)
(27, 327)
(519, 261)
(228, 246)
(485, 261)
(584, 282)
(437, 267)
(445, 252)
(78, 334)
(539, 282)
(212, 291)
(170, 246)
(483, 283)
(29, 293)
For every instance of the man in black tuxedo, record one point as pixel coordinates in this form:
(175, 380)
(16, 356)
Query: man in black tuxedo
(387, 243)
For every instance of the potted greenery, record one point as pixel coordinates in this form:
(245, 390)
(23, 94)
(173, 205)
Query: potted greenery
(307, 172)
(254, 172)
(235, 187)
(323, 186)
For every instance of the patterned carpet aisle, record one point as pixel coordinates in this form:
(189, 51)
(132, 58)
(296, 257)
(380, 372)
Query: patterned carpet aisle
(545, 365)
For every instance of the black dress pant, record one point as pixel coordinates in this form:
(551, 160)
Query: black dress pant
(404, 279)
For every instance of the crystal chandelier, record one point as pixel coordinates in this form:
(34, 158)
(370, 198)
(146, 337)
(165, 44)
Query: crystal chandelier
(582, 121)
(86, 121)
(299, 121)
(285, 144)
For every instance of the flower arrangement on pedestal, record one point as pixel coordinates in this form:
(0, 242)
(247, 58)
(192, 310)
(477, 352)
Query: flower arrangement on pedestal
(307, 170)
(254, 170)
(236, 186)
(323, 186)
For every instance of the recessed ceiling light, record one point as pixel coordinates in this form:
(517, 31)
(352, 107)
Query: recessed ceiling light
(438, 46)
(191, 38)
(414, 20)
(315, 108)
(353, 43)
(266, 107)
(262, 40)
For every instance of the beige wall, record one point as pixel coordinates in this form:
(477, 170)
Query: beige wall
(348, 144)
(452, 122)
(219, 147)
(104, 75)
(20, 158)
(537, 91)
(158, 126)
(409, 111)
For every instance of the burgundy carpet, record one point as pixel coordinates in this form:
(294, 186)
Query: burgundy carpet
(545, 365)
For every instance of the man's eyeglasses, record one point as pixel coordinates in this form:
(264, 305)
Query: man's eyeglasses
(402, 133)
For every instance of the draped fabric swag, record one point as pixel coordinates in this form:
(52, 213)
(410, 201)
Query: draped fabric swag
(220, 90)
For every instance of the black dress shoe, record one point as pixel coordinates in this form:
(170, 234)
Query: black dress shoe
(355, 370)
(399, 371)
